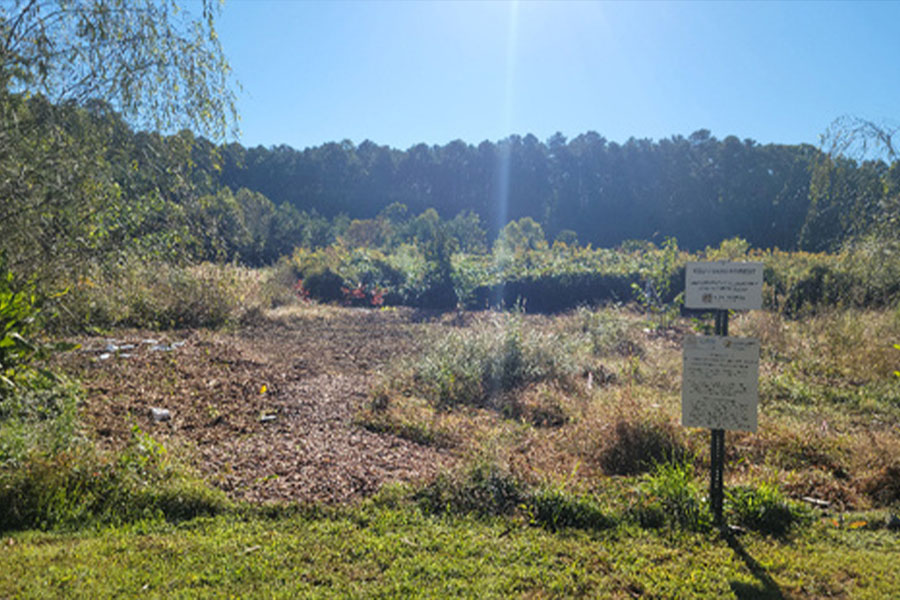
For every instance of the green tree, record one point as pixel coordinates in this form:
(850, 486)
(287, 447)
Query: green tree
(154, 62)
(519, 236)
(155, 66)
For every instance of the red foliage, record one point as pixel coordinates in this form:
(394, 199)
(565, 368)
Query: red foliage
(301, 291)
(360, 296)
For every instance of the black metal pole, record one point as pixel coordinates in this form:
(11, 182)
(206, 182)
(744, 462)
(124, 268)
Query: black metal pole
(717, 446)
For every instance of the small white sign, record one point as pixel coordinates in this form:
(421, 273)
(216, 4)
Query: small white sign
(720, 383)
(723, 285)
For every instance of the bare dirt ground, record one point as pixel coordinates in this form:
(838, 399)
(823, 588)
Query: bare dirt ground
(267, 412)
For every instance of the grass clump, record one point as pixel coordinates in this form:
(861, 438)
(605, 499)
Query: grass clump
(670, 496)
(554, 508)
(488, 488)
(168, 296)
(79, 486)
(607, 331)
(484, 487)
(414, 420)
(763, 508)
(637, 443)
(482, 366)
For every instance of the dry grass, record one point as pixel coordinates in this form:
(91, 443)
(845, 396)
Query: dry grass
(828, 424)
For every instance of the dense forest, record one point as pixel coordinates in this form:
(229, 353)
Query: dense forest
(182, 195)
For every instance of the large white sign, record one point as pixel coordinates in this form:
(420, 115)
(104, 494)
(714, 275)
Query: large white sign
(720, 383)
(723, 285)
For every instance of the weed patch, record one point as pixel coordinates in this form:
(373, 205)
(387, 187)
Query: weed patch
(554, 508)
(481, 367)
(484, 488)
(79, 486)
(763, 508)
(670, 496)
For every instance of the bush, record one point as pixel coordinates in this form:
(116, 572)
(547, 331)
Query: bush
(555, 292)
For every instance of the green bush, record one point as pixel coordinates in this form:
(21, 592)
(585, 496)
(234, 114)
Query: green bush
(20, 332)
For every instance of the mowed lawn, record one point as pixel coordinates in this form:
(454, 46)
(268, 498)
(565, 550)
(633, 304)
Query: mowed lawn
(391, 549)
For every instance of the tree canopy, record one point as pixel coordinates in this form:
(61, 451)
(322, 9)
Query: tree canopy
(150, 60)
(77, 77)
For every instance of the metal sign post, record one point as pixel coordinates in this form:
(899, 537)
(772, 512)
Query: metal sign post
(717, 446)
(720, 374)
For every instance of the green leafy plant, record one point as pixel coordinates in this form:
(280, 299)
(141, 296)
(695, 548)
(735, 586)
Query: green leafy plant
(762, 508)
(20, 327)
(655, 293)
(670, 496)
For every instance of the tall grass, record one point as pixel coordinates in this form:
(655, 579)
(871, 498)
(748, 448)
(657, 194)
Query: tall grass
(165, 296)
(480, 366)
(53, 477)
(78, 486)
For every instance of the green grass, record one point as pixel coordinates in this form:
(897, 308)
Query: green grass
(393, 549)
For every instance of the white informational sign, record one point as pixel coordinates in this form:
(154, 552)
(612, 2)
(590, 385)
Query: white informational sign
(723, 285)
(720, 383)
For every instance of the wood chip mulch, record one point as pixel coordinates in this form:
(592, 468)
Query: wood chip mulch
(267, 413)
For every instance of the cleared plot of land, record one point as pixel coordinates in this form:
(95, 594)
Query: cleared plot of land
(266, 413)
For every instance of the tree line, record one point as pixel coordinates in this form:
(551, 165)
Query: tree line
(698, 189)
(80, 179)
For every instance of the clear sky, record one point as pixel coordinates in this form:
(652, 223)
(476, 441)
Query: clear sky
(401, 73)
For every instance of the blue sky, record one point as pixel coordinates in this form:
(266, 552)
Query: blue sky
(400, 73)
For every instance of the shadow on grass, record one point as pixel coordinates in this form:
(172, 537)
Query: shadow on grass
(766, 588)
